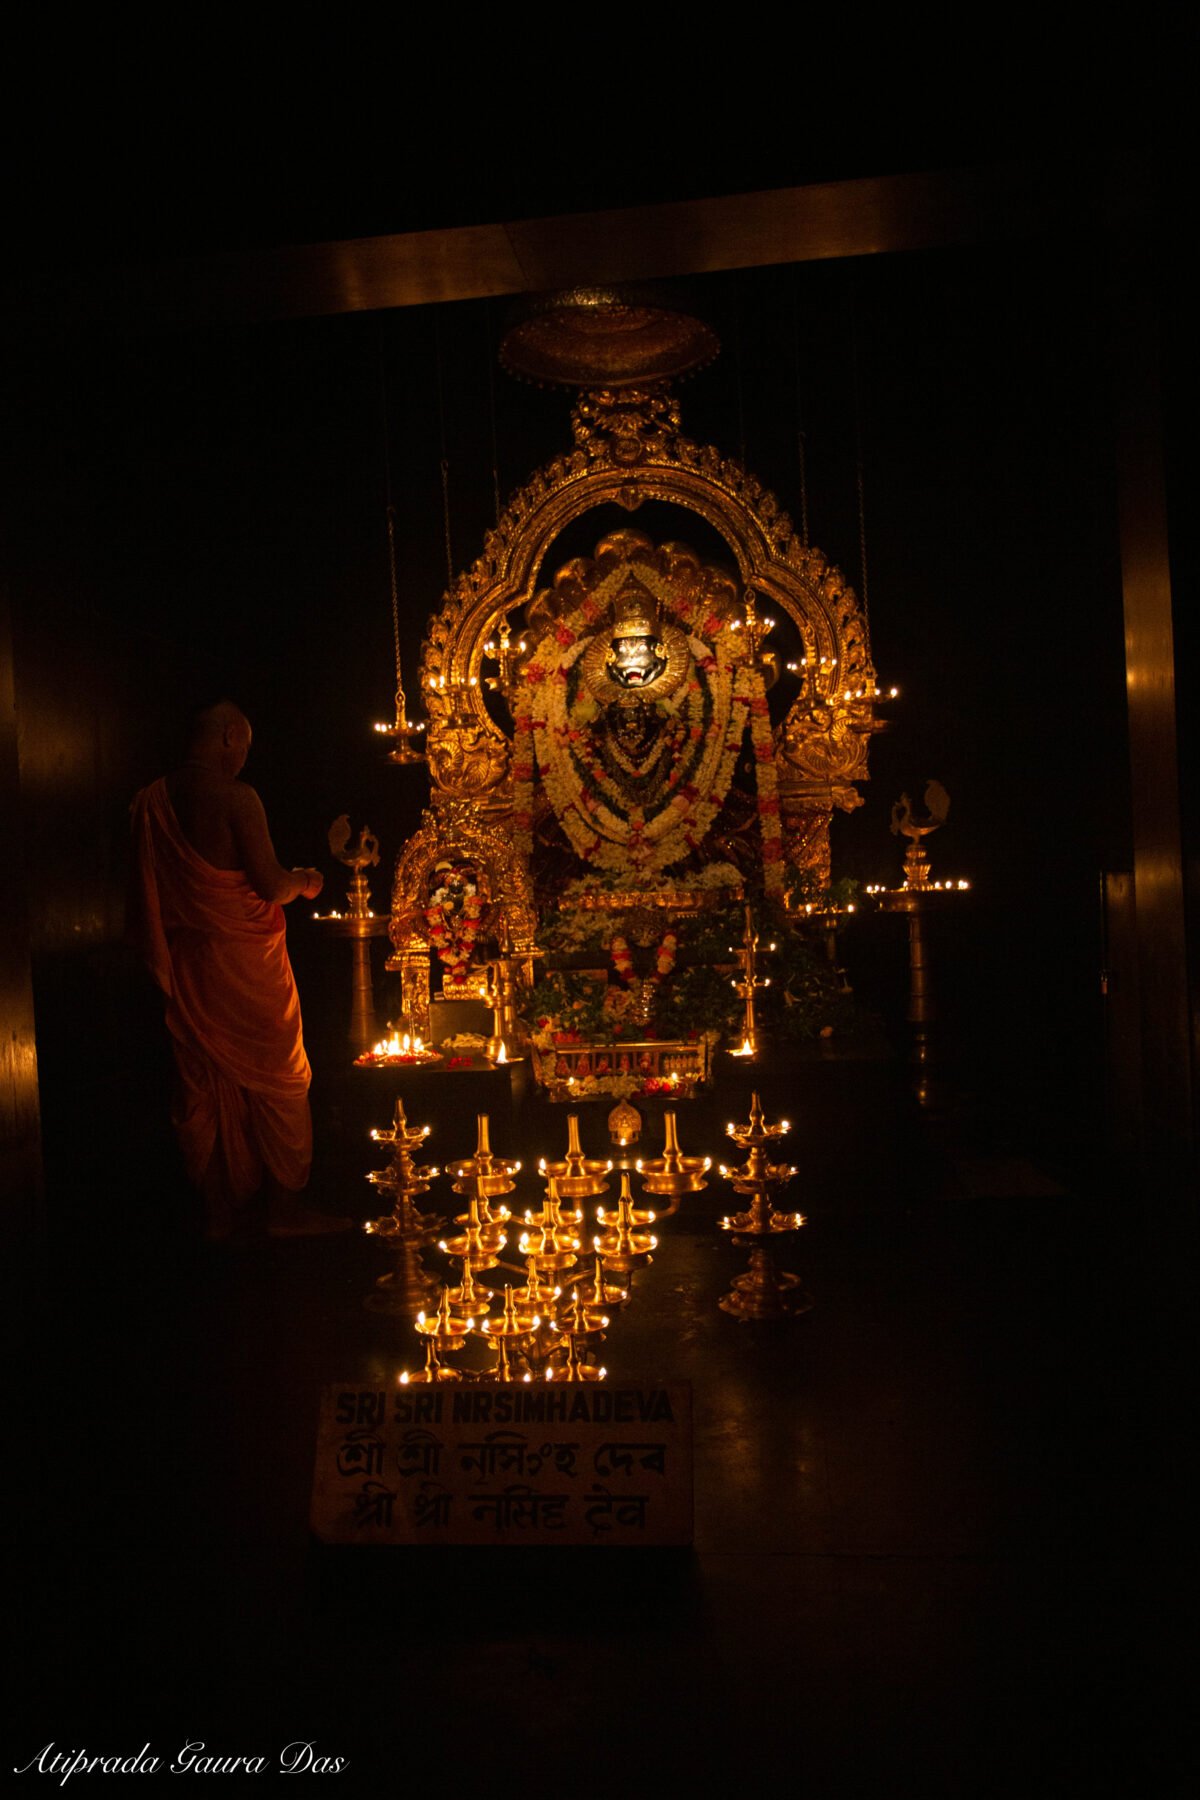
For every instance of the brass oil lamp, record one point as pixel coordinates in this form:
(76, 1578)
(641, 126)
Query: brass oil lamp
(580, 1317)
(760, 1219)
(478, 1244)
(673, 1174)
(553, 1242)
(763, 1292)
(625, 1214)
(468, 1300)
(624, 1245)
(405, 1230)
(505, 1043)
(484, 1177)
(448, 1333)
(435, 1369)
(515, 1321)
(540, 1292)
(359, 923)
(754, 1136)
(578, 1177)
(747, 985)
(600, 1293)
(573, 1367)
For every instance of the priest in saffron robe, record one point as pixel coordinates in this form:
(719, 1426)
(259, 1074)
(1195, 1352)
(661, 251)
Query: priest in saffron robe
(207, 915)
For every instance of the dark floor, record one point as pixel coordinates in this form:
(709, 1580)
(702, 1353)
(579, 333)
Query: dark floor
(934, 1553)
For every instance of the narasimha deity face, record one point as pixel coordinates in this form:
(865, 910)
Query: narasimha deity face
(635, 662)
(641, 653)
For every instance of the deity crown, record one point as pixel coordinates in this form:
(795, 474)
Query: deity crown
(635, 614)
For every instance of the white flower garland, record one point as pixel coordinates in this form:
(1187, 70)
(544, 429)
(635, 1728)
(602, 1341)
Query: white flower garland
(554, 714)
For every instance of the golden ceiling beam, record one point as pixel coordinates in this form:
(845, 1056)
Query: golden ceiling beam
(638, 243)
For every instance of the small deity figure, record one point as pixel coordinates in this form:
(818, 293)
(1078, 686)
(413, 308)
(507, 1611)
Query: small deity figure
(454, 917)
(455, 885)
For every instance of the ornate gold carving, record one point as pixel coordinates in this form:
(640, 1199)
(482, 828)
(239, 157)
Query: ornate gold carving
(625, 426)
(644, 693)
(468, 758)
(806, 841)
(454, 830)
(823, 742)
(616, 432)
(414, 989)
(628, 449)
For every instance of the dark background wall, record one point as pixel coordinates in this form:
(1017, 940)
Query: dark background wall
(203, 514)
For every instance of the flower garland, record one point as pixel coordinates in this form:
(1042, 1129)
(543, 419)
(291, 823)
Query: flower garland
(664, 957)
(766, 782)
(552, 716)
(713, 875)
(455, 938)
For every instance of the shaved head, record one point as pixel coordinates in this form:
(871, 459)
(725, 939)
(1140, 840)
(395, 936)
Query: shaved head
(211, 723)
(220, 737)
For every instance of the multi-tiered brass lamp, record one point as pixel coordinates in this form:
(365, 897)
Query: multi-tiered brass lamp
(550, 1239)
(405, 1230)
(746, 985)
(624, 1244)
(763, 1292)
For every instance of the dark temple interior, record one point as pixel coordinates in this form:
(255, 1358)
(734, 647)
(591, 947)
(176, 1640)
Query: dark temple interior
(941, 1520)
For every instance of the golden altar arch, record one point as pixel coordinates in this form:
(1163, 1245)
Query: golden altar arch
(629, 449)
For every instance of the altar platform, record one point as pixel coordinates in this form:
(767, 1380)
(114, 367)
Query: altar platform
(935, 1548)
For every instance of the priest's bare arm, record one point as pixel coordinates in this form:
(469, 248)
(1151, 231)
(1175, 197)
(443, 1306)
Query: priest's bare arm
(256, 853)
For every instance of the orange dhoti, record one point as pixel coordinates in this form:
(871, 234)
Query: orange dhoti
(219, 953)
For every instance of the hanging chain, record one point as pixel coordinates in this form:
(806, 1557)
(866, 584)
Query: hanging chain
(446, 522)
(737, 363)
(401, 703)
(401, 713)
(801, 433)
(487, 332)
(441, 400)
(862, 549)
(858, 449)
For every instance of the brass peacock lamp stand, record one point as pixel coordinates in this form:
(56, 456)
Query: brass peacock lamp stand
(359, 924)
(915, 899)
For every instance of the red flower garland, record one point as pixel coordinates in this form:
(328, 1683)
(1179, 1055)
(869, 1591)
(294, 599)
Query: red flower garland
(664, 957)
(455, 947)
